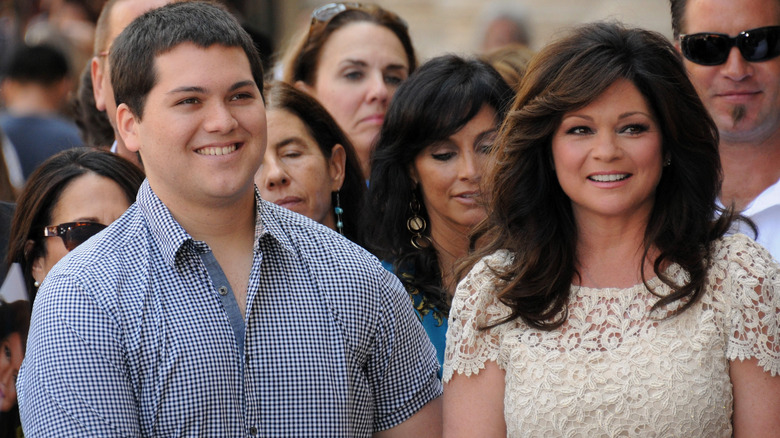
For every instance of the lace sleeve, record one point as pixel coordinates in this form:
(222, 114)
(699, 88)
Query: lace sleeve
(474, 306)
(754, 304)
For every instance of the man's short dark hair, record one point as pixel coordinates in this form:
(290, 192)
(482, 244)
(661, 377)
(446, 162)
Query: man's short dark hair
(204, 24)
(42, 64)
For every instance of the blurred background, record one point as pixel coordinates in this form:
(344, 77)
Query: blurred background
(436, 26)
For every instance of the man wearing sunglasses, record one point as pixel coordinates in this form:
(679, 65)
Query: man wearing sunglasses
(731, 49)
(204, 310)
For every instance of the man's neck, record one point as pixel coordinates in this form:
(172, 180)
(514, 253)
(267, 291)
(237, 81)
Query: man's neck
(748, 169)
(219, 224)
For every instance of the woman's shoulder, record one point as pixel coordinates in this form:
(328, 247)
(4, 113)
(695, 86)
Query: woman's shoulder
(741, 250)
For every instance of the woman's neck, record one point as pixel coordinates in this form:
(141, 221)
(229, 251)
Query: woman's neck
(450, 246)
(610, 254)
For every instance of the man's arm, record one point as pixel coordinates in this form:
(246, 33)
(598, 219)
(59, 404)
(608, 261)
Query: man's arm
(424, 424)
(73, 380)
(403, 369)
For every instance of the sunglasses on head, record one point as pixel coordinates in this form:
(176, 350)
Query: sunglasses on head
(709, 48)
(323, 14)
(73, 234)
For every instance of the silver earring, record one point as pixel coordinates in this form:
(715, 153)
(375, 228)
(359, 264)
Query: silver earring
(668, 162)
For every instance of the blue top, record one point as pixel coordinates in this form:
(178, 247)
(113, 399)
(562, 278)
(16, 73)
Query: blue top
(134, 334)
(433, 320)
(37, 137)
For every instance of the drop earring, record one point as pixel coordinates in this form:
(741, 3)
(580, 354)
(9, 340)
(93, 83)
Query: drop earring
(339, 211)
(417, 225)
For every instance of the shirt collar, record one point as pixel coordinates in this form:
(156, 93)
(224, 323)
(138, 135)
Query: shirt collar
(170, 236)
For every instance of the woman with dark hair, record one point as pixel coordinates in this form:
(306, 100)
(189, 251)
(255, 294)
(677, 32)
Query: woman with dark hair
(14, 324)
(352, 58)
(424, 195)
(310, 167)
(69, 198)
(604, 299)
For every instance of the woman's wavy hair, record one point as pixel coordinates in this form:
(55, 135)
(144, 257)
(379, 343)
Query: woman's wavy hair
(531, 216)
(301, 60)
(326, 132)
(42, 192)
(439, 99)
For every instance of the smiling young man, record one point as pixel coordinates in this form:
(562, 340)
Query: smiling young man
(731, 50)
(204, 310)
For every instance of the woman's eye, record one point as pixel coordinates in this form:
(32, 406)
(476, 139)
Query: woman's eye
(485, 148)
(579, 130)
(636, 128)
(393, 80)
(354, 75)
(444, 156)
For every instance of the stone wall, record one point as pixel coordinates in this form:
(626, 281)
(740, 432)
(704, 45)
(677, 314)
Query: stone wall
(439, 26)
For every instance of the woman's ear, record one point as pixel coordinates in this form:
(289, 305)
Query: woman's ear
(337, 166)
(38, 264)
(306, 88)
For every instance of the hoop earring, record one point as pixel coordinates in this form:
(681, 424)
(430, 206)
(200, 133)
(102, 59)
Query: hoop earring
(339, 211)
(417, 225)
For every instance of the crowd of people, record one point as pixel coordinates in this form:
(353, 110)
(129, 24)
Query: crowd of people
(580, 241)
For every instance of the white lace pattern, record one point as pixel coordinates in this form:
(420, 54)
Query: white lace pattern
(615, 369)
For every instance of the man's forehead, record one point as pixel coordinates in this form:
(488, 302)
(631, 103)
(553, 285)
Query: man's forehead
(729, 16)
(124, 12)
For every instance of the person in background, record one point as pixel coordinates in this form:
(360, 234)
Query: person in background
(95, 128)
(352, 58)
(731, 50)
(71, 197)
(113, 18)
(309, 166)
(511, 61)
(425, 191)
(170, 321)
(35, 91)
(603, 298)
(14, 324)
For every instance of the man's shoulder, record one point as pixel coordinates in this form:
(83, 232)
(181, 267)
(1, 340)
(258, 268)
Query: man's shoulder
(326, 252)
(116, 251)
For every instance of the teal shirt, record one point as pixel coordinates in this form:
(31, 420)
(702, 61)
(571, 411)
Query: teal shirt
(432, 319)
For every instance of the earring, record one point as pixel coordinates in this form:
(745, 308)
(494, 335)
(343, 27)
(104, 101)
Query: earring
(36, 284)
(417, 225)
(339, 211)
(668, 162)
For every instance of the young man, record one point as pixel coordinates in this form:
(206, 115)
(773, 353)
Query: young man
(205, 311)
(731, 50)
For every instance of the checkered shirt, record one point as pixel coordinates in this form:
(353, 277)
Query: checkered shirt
(130, 337)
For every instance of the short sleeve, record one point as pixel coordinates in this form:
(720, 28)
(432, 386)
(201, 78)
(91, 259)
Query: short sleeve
(753, 294)
(475, 306)
(403, 368)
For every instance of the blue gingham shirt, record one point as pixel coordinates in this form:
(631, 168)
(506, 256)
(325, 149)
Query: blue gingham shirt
(135, 334)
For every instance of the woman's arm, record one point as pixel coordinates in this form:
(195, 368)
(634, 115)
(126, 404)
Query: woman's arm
(474, 405)
(756, 400)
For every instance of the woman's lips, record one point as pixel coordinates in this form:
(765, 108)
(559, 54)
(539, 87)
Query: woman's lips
(288, 202)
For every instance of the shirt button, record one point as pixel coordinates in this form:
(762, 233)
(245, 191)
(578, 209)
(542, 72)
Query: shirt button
(253, 431)
(222, 290)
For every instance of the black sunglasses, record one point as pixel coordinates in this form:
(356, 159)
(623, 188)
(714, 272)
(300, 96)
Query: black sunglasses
(708, 48)
(73, 234)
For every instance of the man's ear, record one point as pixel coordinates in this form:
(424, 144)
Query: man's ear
(337, 166)
(127, 126)
(96, 73)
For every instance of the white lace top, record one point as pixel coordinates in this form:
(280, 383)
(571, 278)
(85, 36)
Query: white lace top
(616, 369)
